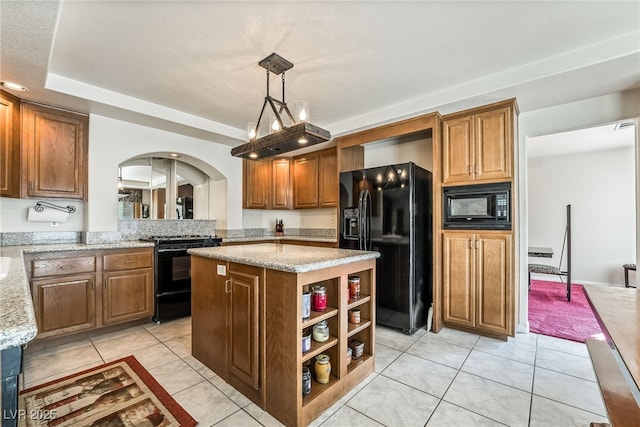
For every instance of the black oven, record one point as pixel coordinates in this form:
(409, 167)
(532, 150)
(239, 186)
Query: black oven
(478, 206)
(172, 281)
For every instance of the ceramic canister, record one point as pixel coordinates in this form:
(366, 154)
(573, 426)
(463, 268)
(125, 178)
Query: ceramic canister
(322, 368)
(306, 304)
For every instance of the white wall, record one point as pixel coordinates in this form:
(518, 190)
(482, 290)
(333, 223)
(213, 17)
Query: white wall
(560, 118)
(600, 186)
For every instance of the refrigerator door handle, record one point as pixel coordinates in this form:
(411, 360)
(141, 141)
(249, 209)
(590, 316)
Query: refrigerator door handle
(367, 219)
(360, 220)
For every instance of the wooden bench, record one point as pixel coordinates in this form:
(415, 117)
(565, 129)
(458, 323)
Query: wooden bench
(621, 405)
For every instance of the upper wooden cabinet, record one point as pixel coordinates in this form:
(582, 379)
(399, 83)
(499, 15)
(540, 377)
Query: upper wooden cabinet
(9, 145)
(54, 150)
(256, 182)
(302, 182)
(266, 184)
(315, 180)
(477, 145)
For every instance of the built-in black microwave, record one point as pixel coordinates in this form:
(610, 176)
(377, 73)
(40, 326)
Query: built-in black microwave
(477, 206)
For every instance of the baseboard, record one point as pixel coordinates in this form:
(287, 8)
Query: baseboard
(556, 279)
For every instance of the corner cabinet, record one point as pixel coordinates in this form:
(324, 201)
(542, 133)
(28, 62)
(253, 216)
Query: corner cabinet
(54, 150)
(477, 145)
(478, 281)
(248, 328)
(76, 291)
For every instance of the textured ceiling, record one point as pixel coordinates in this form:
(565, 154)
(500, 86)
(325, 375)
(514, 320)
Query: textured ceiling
(191, 66)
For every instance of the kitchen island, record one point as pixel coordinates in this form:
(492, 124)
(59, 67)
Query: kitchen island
(248, 326)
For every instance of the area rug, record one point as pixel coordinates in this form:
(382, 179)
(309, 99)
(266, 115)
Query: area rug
(119, 393)
(551, 314)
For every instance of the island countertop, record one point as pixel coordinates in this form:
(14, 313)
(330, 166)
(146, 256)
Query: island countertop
(283, 257)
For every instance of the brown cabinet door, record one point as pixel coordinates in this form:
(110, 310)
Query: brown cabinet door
(64, 304)
(256, 183)
(457, 150)
(328, 181)
(280, 184)
(55, 143)
(495, 304)
(458, 278)
(127, 295)
(9, 145)
(493, 144)
(209, 301)
(305, 182)
(243, 333)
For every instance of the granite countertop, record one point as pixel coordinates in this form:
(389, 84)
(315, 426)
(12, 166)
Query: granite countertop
(17, 318)
(282, 257)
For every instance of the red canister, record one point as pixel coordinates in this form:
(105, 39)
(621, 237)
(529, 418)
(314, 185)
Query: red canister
(319, 298)
(354, 287)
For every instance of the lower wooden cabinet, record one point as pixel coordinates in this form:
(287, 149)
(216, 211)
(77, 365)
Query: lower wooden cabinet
(64, 304)
(243, 330)
(478, 282)
(226, 314)
(67, 295)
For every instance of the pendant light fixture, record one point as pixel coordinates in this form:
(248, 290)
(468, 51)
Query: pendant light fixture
(286, 133)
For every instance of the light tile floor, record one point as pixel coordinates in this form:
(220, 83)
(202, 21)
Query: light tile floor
(448, 379)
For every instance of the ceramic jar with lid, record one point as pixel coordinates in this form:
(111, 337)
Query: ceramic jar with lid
(306, 305)
(306, 381)
(319, 298)
(321, 331)
(357, 348)
(354, 316)
(354, 287)
(306, 340)
(322, 368)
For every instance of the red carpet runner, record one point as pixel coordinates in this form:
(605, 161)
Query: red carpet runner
(551, 314)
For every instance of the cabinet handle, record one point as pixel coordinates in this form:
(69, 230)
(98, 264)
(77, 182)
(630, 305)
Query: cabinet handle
(64, 267)
(469, 244)
(128, 261)
(476, 244)
(477, 168)
(104, 285)
(227, 283)
(93, 285)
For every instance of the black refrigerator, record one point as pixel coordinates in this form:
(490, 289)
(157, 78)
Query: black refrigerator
(388, 209)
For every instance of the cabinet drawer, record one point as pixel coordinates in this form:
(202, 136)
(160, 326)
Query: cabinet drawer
(60, 266)
(127, 261)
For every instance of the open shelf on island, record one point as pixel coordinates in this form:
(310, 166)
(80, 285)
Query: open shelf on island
(319, 347)
(357, 362)
(317, 316)
(317, 389)
(354, 329)
(354, 302)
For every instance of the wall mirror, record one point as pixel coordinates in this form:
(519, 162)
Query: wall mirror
(161, 188)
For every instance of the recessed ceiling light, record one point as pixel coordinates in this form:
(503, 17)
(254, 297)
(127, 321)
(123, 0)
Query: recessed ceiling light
(13, 86)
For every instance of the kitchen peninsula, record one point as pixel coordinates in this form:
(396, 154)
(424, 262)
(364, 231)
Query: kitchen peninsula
(248, 325)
